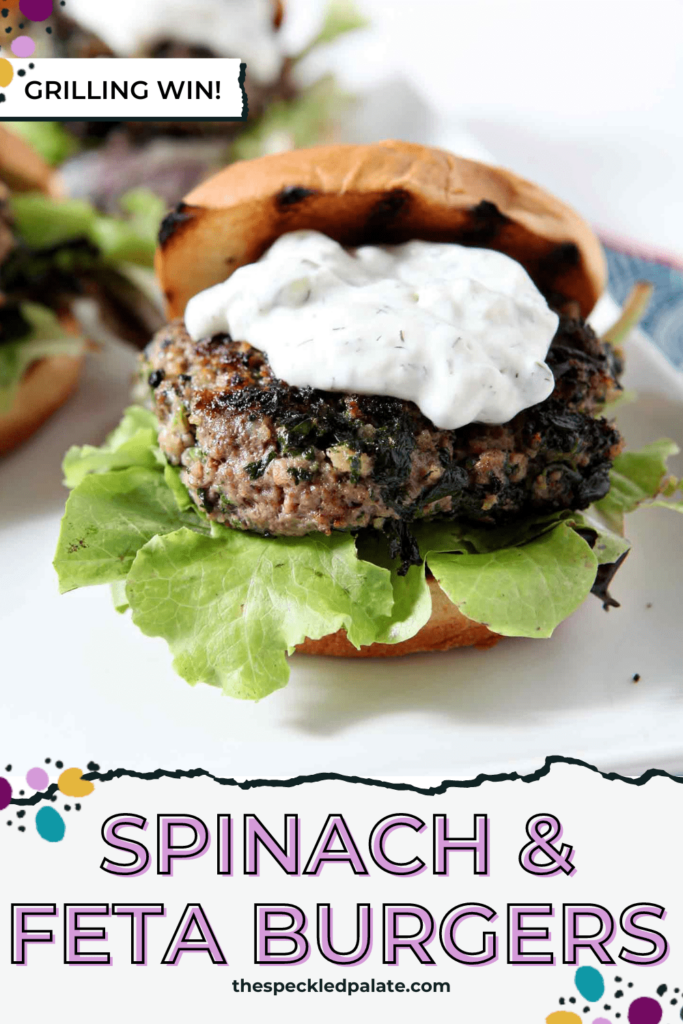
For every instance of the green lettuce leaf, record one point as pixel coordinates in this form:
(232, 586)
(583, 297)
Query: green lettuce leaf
(46, 338)
(108, 518)
(43, 223)
(412, 603)
(50, 139)
(341, 17)
(133, 443)
(231, 605)
(525, 590)
(294, 123)
(640, 478)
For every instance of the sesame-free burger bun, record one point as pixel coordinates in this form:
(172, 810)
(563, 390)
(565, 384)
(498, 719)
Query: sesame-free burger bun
(388, 192)
(22, 169)
(49, 381)
(44, 388)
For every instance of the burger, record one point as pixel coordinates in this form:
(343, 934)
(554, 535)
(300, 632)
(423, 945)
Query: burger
(41, 350)
(172, 156)
(54, 254)
(377, 421)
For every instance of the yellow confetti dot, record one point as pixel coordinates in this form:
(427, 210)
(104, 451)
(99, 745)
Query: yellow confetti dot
(6, 72)
(71, 783)
(563, 1017)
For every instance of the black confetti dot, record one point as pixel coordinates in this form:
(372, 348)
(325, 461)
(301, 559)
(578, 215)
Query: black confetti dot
(661, 990)
(8, 30)
(673, 1002)
(48, 30)
(2, 97)
(22, 828)
(47, 759)
(607, 1006)
(21, 25)
(586, 1009)
(21, 792)
(8, 768)
(630, 984)
(20, 814)
(9, 822)
(636, 677)
(618, 994)
(53, 798)
(31, 66)
(561, 1000)
(21, 73)
(77, 806)
(571, 999)
(5, 12)
(59, 764)
(93, 766)
(617, 979)
(67, 807)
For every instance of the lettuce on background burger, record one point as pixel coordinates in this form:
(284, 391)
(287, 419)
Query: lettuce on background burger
(250, 512)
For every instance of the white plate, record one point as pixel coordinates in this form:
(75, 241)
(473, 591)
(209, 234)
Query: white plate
(80, 682)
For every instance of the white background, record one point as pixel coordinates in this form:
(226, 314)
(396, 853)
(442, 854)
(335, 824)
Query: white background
(616, 866)
(583, 96)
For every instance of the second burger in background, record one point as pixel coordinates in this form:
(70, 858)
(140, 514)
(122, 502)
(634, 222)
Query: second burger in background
(41, 348)
(377, 420)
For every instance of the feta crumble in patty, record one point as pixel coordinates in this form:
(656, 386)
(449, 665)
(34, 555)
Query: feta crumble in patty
(259, 455)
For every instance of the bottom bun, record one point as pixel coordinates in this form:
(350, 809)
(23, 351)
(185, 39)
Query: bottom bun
(447, 627)
(45, 387)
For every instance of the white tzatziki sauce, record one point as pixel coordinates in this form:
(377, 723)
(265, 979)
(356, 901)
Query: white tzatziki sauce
(461, 332)
(230, 28)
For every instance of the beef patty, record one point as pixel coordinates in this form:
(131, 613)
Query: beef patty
(260, 455)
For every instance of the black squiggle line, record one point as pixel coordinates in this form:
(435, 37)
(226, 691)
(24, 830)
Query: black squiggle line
(245, 98)
(397, 787)
(36, 797)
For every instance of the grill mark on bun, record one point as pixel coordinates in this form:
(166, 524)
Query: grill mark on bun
(564, 256)
(487, 224)
(385, 211)
(554, 271)
(175, 221)
(388, 192)
(290, 195)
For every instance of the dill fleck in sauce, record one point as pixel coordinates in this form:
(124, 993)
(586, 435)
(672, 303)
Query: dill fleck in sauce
(461, 332)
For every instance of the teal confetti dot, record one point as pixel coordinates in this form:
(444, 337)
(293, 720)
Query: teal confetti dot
(50, 825)
(590, 983)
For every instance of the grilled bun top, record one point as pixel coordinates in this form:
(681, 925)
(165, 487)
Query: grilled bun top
(387, 192)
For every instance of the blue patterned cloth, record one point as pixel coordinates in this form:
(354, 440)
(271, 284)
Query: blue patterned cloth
(664, 319)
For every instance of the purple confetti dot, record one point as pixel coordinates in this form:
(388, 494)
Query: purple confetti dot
(5, 793)
(23, 46)
(37, 778)
(36, 10)
(644, 1011)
